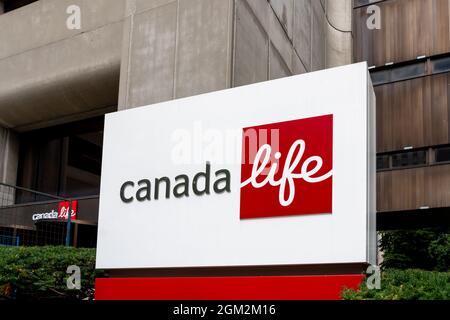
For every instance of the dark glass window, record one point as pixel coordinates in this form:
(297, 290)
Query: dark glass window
(407, 72)
(63, 160)
(408, 159)
(383, 162)
(398, 73)
(380, 77)
(360, 3)
(441, 65)
(443, 154)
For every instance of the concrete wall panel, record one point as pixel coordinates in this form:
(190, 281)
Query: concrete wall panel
(159, 49)
(175, 49)
(139, 6)
(277, 66)
(284, 10)
(68, 77)
(251, 47)
(44, 22)
(302, 31)
(203, 48)
(152, 53)
(318, 38)
(9, 159)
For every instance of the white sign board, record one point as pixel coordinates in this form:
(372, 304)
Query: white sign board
(276, 173)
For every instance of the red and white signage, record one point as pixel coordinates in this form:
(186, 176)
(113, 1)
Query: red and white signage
(276, 173)
(61, 214)
(64, 207)
(294, 179)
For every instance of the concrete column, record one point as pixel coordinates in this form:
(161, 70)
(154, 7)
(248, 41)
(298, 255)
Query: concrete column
(174, 49)
(9, 154)
(2, 6)
(9, 158)
(339, 33)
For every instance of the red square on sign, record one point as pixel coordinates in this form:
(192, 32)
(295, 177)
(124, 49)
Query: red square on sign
(63, 210)
(287, 168)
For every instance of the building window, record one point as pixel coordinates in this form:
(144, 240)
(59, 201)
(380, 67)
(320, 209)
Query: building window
(64, 161)
(380, 77)
(409, 159)
(441, 65)
(442, 155)
(383, 162)
(414, 158)
(407, 72)
(398, 73)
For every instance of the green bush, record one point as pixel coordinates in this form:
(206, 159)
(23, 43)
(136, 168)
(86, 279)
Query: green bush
(405, 285)
(40, 272)
(439, 251)
(427, 249)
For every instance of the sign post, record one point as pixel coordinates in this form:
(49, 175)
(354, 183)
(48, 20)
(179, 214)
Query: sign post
(69, 219)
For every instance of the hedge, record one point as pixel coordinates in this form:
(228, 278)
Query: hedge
(427, 249)
(405, 285)
(40, 272)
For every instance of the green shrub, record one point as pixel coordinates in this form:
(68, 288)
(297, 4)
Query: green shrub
(405, 285)
(439, 251)
(427, 249)
(40, 272)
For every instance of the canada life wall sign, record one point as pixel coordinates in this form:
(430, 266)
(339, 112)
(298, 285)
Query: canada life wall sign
(276, 173)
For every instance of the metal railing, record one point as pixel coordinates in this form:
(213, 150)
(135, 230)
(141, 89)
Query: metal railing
(9, 241)
(18, 208)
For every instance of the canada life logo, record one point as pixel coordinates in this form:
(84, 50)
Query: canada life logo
(297, 178)
(63, 210)
(61, 214)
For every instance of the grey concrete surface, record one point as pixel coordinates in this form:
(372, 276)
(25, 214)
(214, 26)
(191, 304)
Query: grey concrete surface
(44, 22)
(251, 47)
(136, 52)
(318, 37)
(284, 10)
(175, 49)
(51, 74)
(204, 38)
(130, 53)
(73, 76)
(148, 68)
(213, 45)
(303, 31)
(339, 32)
(9, 156)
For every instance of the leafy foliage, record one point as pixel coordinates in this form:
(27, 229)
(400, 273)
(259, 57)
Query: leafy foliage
(427, 249)
(40, 272)
(439, 251)
(405, 285)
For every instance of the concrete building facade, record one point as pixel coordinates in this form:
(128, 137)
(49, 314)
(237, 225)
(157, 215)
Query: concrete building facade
(58, 80)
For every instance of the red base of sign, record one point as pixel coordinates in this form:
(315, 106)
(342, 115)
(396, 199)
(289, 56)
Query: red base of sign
(227, 288)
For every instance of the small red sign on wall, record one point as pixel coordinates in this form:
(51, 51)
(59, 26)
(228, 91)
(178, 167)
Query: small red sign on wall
(63, 210)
